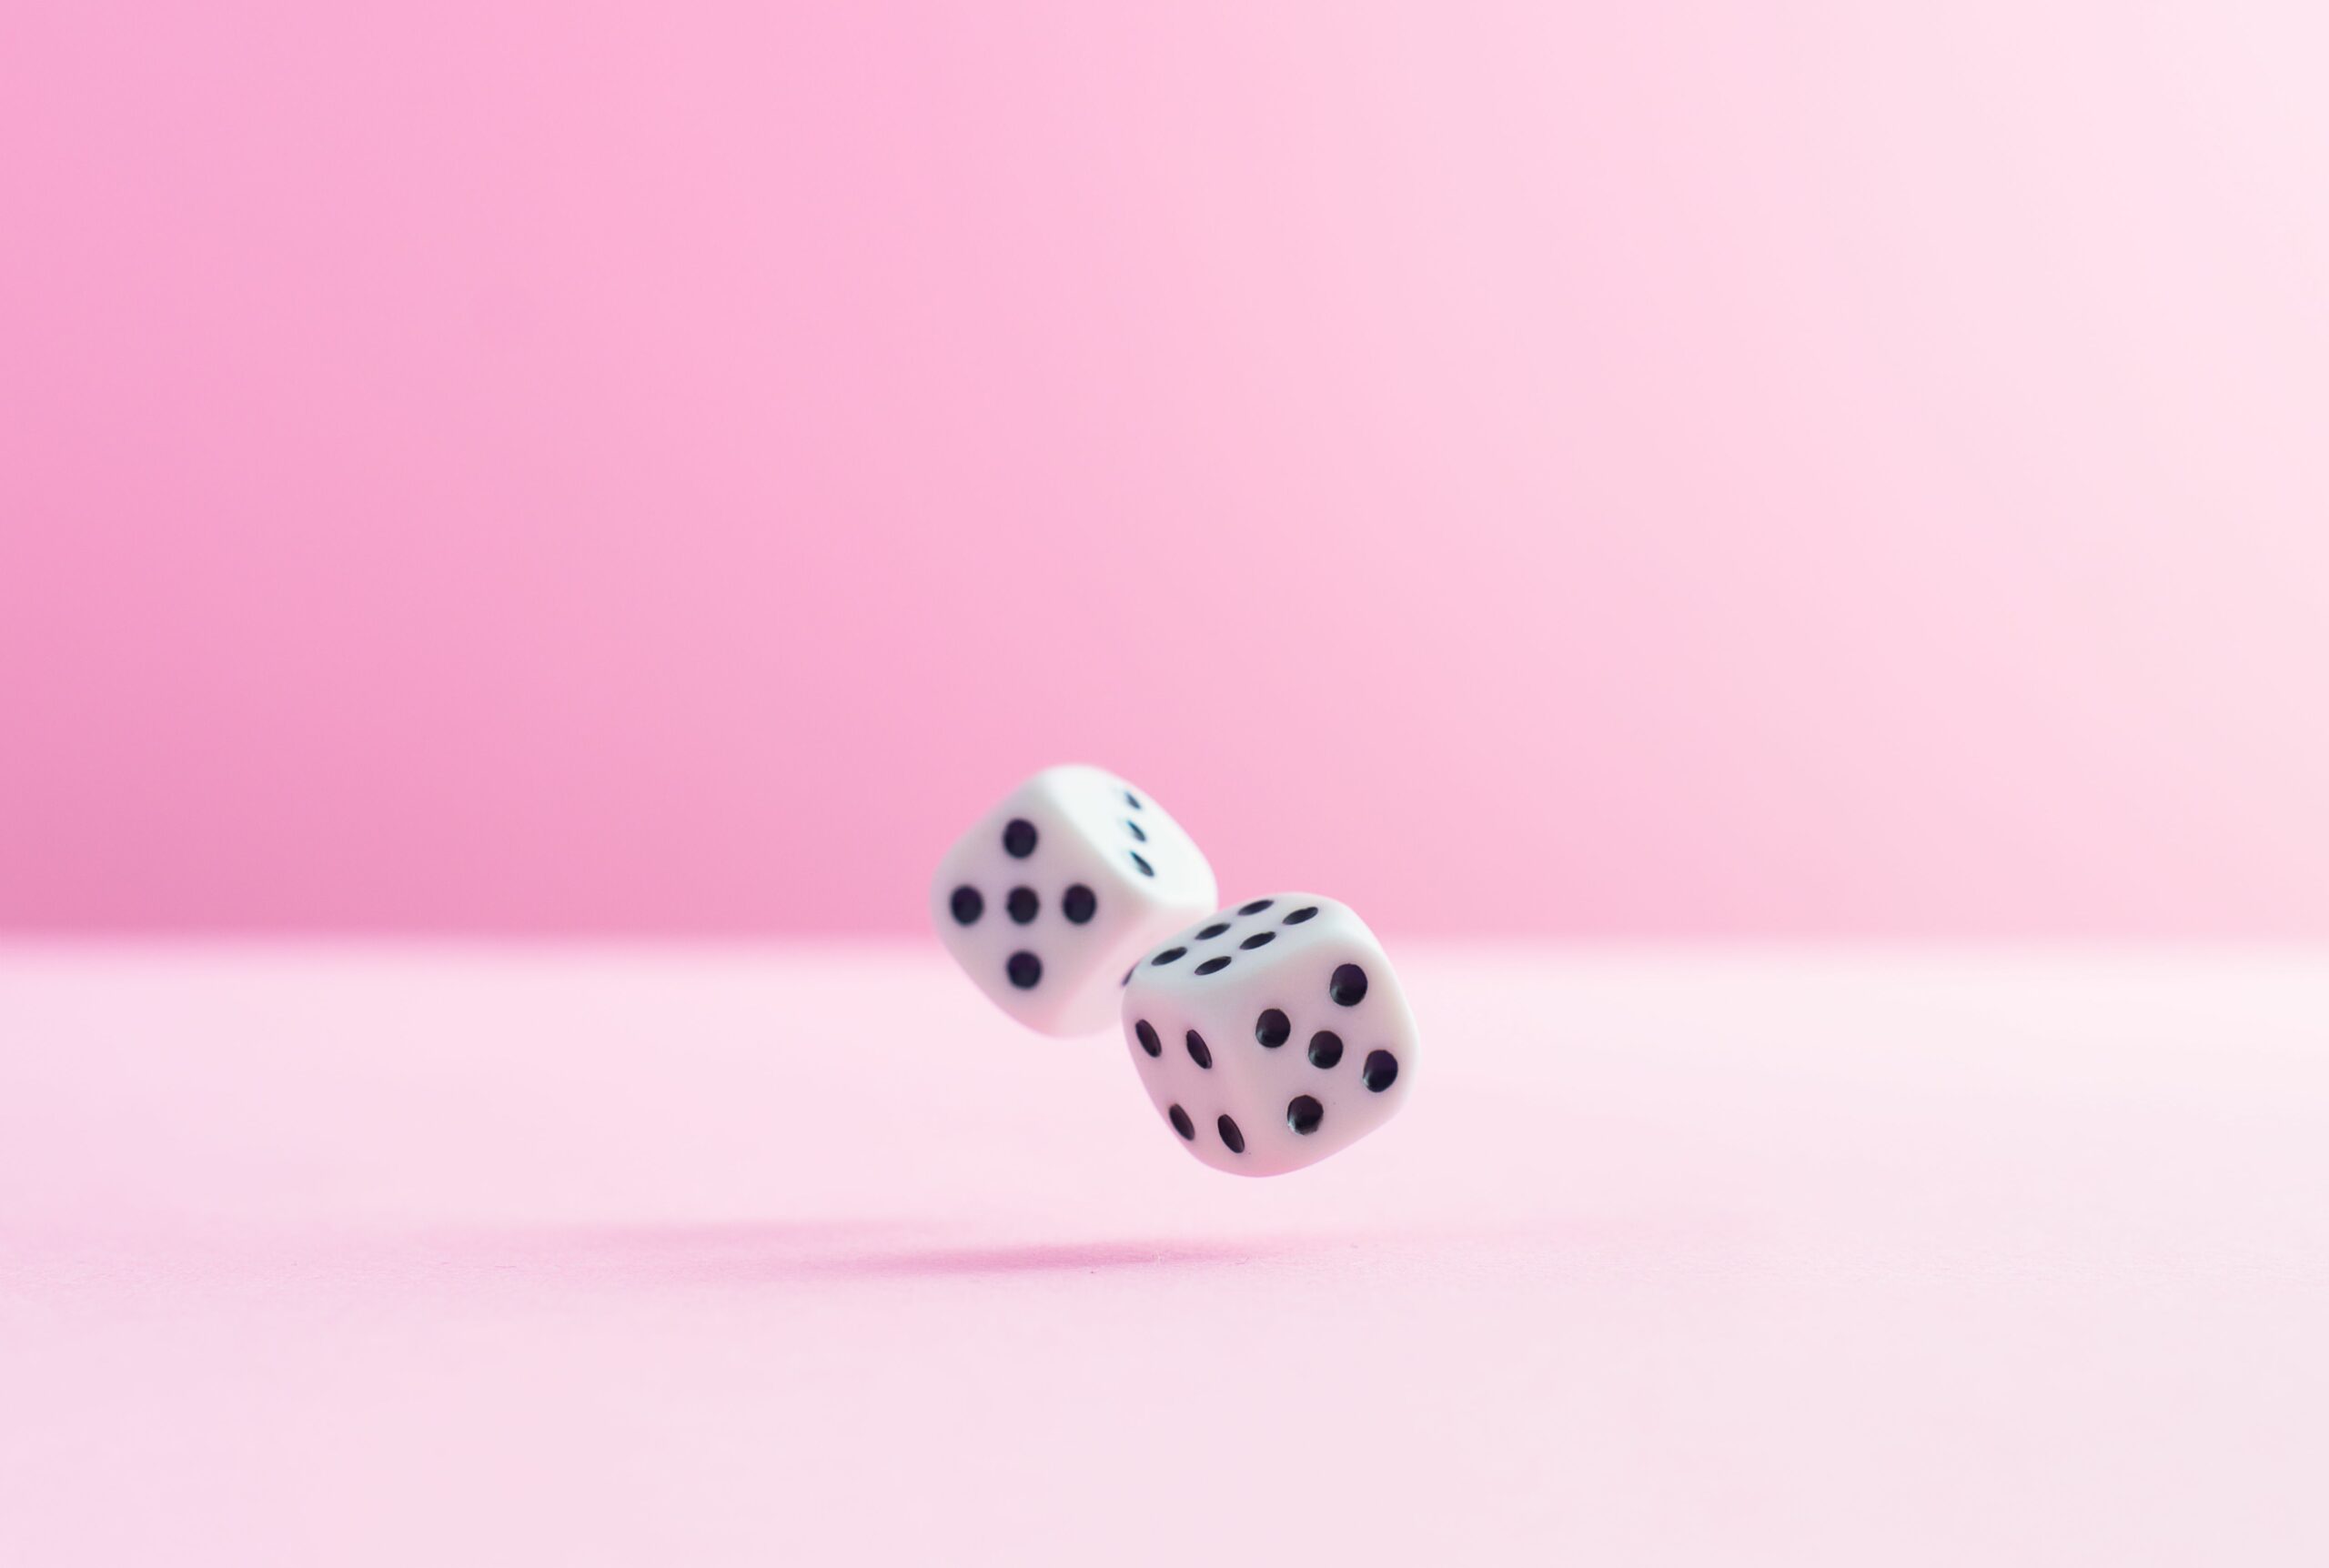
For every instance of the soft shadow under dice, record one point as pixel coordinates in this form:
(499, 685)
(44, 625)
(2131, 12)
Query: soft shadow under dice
(1271, 1035)
(1053, 895)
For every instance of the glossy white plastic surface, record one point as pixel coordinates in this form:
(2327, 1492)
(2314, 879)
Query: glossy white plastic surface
(1278, 1025)
(1085, 833)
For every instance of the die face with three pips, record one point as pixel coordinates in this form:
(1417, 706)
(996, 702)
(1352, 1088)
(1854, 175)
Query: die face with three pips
(1071, 878)
(1270, 1035)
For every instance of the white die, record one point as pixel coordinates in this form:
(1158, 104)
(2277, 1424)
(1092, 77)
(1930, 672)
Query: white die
(1271, 1035)
(1049, 898)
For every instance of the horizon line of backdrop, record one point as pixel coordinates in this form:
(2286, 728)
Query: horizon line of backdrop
(1619, 469)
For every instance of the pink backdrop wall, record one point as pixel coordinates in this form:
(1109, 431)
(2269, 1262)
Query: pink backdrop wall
(1619, 467)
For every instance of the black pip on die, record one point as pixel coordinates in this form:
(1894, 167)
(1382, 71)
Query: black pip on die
(1271, 1035)
(1048, 898)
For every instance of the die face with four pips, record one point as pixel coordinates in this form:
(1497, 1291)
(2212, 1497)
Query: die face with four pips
(1052, 894)
(1271, 1035)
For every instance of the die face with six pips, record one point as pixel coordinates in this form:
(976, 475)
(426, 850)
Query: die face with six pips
(1270, 1035)
(1048, 897)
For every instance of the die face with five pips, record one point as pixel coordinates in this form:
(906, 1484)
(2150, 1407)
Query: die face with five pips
(1271, 1035)
(1048, 898)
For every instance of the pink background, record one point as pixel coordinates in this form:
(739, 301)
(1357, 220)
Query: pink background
(1629, 468)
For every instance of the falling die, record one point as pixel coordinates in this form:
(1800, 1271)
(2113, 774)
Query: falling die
(1272, 1035)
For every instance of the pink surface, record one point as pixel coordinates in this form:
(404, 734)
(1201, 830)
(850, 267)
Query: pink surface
(1616, 467)
(757, 1257)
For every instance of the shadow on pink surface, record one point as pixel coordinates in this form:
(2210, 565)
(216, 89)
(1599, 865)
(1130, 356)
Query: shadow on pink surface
(811, 1257)
(782, 1252)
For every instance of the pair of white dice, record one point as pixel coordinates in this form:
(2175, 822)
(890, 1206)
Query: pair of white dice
(1268, 1036)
